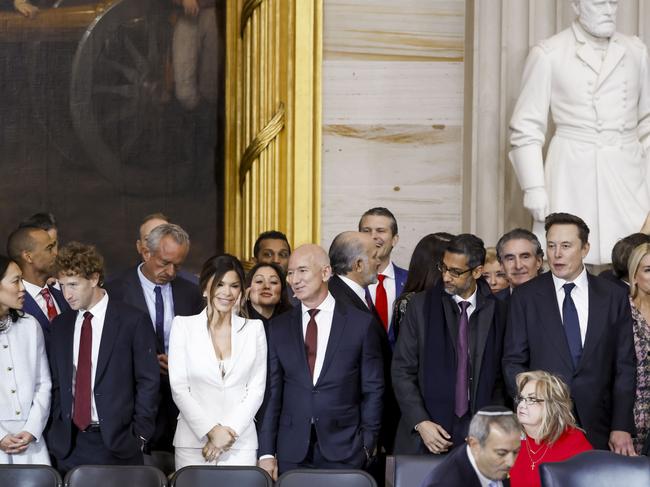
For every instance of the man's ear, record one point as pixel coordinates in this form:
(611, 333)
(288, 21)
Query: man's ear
(327, 273)
(477, 272)
(94, 279)
(26, 256)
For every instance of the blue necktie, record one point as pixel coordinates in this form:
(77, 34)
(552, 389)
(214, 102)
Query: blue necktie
(571, 324)
(160, 319)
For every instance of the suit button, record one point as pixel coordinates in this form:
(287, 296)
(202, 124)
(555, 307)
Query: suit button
(10, 369)
(13, 391)
(5, 346)
(17, 413)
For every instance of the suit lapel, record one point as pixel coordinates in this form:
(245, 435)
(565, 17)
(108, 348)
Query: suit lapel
(66, 357)
(237, 339)
(31, 307)
(452, 315)
(596, 323)
(133, 293)
(484, 313)
(339, 320)
(613, 56)
(111, 329)
(550, 313)
(296, 323)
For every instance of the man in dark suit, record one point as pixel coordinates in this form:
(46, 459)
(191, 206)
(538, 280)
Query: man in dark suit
(521, 256)
(326, 377)
(104, 370)
(492, 448)
(381, 224)
(579, 327)
(35, 250)
(155, 288)
(447, 360)
(620, 255)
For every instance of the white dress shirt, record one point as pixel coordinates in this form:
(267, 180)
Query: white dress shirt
(97, 322)
(148, 289)
(389, 286)
(580, 296)
(485, 482)
(472, 302)
(358, 290)
(324, 323)
(35, 292)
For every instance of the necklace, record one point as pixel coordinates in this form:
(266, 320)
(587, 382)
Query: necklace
(532, 453)
(5, 322)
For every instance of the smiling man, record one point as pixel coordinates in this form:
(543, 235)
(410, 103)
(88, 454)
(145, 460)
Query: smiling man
(521, 255)
(447, 360)
(579, 327)
(104, 370)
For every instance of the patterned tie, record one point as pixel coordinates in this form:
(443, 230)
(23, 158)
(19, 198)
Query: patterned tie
(82, 387)
(381, 301)
(311, 340)
(160, 319)
(571, 324)
(462, 362)
(49, 302)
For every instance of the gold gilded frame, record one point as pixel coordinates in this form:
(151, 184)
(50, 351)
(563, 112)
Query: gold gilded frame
(273, 121)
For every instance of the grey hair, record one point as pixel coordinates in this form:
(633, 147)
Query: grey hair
(519, 234)
(489, 417)
(179, 235)
(345, 251)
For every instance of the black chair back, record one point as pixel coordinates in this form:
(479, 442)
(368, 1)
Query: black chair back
(207, 476)
(29, 476)
(115, 476)
(325, 478)
(410, 470)
(597, 468)
(162, 460)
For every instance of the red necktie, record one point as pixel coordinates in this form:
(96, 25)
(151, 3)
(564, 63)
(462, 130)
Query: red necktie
(381, 301)
(49, 302)
(81, 415)
(311, 340)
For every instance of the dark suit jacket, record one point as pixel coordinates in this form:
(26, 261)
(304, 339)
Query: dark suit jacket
(603, 386)
(609, 275)
(455, 471)
(31, 307)
(344, 405)
(424, 361)
(126, 381)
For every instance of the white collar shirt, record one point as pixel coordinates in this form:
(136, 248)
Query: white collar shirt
(97, 322)
(358, 290)
(472, 302)
(148, 289)
(485, 482)
(324, 323)
(389, 286)
(580, 296)
(35, 292)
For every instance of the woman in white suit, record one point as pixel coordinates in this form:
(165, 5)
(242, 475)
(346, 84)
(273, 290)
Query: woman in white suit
(25, 383)
(217, 372)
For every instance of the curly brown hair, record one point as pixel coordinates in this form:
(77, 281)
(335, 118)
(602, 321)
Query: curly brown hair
(78, 259)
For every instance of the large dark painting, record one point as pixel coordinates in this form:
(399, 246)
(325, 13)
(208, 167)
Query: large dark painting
(111, 110)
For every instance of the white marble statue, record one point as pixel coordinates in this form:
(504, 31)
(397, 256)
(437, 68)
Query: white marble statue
(597, 85)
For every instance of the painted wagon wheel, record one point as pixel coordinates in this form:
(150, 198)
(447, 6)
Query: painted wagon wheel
(122, 108)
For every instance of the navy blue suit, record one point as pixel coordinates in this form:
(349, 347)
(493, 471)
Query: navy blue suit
(401, 275)
(126, 382)
(344, 407)
(31, 307)
(455, 471)
(187, 302)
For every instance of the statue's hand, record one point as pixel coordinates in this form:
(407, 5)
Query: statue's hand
(536, 201)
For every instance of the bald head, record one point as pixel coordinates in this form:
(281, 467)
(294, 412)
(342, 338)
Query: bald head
(308, 273)
(355, 256)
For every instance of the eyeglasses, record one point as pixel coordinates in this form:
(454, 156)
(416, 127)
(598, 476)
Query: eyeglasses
(528, 401)
(452, 271)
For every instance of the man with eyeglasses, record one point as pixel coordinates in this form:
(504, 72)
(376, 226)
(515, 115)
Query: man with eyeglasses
(447, 360)
(578, 327)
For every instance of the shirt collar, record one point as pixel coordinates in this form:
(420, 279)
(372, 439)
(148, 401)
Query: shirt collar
(471, 299)
(389, 271)
(146, 283)
(99, 309)
(581, 281)
(358, 290)
(33, 289)
(327, 304)
(485, 482)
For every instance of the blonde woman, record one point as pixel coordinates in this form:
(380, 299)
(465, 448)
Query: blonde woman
(550, 433)
(639, 274)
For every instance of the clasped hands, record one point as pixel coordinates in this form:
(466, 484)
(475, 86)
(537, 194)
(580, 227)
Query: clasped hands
(220, 439)
(18, 443)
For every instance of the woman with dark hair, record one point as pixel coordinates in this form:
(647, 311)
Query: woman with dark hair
(26, 385)
(423, 272)
(266, 292)
(217, 372)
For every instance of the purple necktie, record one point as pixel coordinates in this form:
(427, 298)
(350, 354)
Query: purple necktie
(462, 362)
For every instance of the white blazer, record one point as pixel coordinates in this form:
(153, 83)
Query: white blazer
(203, 398)
(25, 377)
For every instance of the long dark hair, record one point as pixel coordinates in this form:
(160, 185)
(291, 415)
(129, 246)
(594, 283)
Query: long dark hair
(284, 304)
(215, 268)
(4, 265)
(423, 268)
